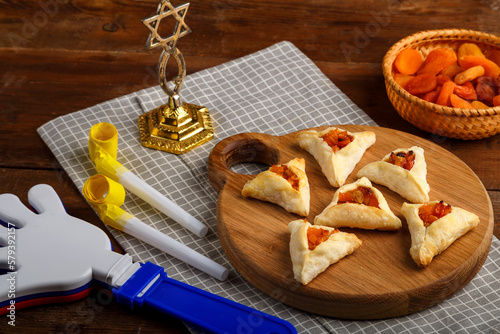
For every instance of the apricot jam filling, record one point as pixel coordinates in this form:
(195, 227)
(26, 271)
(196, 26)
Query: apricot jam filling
(431, 212)
(337, 139)
(287, 174)
(361, 195)
(402, 159)
(316, 236)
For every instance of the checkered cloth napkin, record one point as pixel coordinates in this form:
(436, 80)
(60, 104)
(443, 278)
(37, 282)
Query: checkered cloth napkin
(277, 90)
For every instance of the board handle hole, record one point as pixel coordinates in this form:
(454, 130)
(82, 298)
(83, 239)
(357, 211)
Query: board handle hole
(250, 156)
(249, 168)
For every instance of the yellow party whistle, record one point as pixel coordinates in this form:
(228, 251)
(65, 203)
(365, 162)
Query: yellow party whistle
(106, 196)
(103, 146)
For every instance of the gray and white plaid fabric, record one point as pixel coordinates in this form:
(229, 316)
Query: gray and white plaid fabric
(276, 90)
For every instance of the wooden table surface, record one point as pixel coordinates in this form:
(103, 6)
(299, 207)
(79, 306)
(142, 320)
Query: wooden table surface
(60, 56)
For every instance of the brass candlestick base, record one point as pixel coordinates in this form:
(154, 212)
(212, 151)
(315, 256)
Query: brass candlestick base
(175, 130)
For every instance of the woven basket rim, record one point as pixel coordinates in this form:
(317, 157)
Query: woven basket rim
(430, 35)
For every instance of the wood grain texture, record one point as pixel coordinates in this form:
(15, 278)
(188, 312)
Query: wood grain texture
(380, 280)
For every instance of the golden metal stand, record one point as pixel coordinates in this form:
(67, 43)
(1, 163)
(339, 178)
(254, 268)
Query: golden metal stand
(174, 127)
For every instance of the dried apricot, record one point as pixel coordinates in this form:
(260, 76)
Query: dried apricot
(432, 95)
(441, 79)
(402, 79)
(444, 96)
(493, 55)
(408, 61)
(478, 105)
(421, 84)
(469, 74)
(465, 91)
(469, 49)
(496, 101)
(437, 60)
(452, 70)
(458, 102)
(490, 68)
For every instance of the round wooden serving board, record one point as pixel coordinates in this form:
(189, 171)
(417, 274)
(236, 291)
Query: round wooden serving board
(380, 279)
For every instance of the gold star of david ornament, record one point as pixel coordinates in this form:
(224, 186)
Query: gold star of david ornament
(176, 126)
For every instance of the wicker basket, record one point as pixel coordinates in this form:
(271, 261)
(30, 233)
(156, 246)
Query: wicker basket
(434, 118)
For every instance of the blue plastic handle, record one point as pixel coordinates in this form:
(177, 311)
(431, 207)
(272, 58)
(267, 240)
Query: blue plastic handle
(150, 286)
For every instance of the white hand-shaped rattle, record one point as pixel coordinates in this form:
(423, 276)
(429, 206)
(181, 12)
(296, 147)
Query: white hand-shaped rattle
(50, 255)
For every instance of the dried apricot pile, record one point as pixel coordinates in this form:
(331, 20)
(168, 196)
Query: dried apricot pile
(468, 78)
